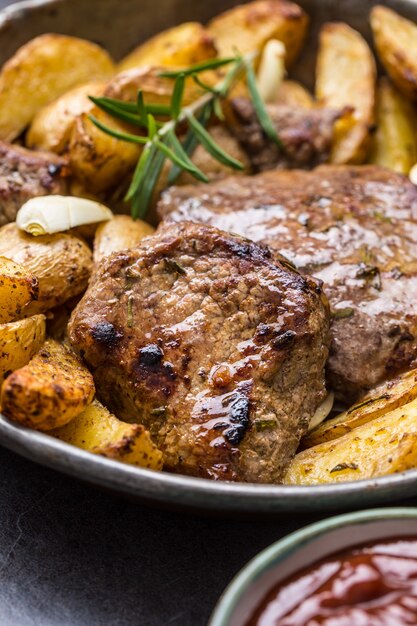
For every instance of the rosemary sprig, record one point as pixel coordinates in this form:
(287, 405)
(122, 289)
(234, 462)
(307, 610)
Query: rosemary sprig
(159, 138)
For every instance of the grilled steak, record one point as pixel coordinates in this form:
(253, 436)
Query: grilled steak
(25, 174)
(306, 135)
(355, 228)
(213, 344)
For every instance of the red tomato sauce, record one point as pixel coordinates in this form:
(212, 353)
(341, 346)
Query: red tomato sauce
(371, 585)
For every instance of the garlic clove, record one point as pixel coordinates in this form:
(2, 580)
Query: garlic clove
(322, 412)
(271, 70)
(55, 214)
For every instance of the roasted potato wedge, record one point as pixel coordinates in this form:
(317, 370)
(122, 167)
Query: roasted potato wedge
(345, 78)
(19, 341)
(48, 392)
(293, 94)
(52, 126)
(386, 397)
(119, 233)
(248, 27)
(383, 446)
(395, 143)
(395, 41)
(18, 287)
(42, 70)
(98, 160)
(100, 432)
(181, 46)
(62, 263)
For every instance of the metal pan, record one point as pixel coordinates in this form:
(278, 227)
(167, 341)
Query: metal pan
(131, 21)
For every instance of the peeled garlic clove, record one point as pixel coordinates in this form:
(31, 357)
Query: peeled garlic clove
(54, 214)
(322, 411)
(271, 70)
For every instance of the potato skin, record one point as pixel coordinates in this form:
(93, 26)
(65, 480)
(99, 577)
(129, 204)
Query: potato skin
(98, 160)
(385, 445)
(119, 233)
(42, 70)
(61, 262)
(49, 391)
(345, 77)
(248, 27)
(180, 46)
(19, 342)
(52, 126)
(395, 40)
(100, 432)
(384, 398)
(18, 287)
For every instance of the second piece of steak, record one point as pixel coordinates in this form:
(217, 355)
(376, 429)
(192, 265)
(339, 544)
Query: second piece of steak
(305, 135)
(213, 344)
(355, 228)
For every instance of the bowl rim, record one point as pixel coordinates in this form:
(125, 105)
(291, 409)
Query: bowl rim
(280, 550)
(184, 491)
(198, 493)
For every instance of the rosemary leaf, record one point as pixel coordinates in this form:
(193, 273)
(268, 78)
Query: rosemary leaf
(150, 175)
(177, 95)
(137, 174)
(141, 109)
(211, 64)
(210, 145)
(117, 133)
(204, 86)
(118, 113)
(182, 163)
(258, 103)
(182, 154)
(152, 128)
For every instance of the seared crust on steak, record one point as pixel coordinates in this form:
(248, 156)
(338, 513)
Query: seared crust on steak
(305, 134)
(355, 228)
(210, 342)
(25, 174)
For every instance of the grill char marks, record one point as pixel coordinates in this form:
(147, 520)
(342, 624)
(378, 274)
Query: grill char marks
(355, 229)
(197, 312)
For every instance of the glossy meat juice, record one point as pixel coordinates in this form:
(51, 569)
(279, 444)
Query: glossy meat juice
(372, 585)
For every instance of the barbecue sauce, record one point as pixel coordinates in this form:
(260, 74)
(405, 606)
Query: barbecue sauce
(372, 585)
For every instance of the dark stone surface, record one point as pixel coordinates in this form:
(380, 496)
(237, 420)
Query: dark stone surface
(72, 555)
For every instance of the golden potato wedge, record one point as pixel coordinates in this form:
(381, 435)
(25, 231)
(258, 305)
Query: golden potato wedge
(383, 446)
(248, 27)
(52, 126)
(98, 160)
(180, 46)
(395, 41)
(42, 70)
(100, 432)
(19, 342)
(48, 392)
(386, 397)
(395, 143)
(345, 77)
(119, 233)
(18, 287)
(62, 263)
(293, 94)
